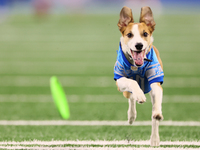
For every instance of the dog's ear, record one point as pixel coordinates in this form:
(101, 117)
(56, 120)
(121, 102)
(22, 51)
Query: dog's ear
(126, 17)
(146, 16)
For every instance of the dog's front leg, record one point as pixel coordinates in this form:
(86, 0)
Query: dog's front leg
(125, 84)
(132, 113)
(132, 91)
(156, 98)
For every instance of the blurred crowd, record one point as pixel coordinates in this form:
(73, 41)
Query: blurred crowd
(74, 6)
(44, 7)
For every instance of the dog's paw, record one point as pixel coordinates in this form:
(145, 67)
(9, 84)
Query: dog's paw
(140, 101)
(137, 93)
(155, 140)
(139, 96)
(131, 116)
(157, 115)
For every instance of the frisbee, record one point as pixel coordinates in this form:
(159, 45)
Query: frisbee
(59, 97)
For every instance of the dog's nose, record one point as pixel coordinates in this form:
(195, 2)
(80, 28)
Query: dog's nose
(139, 46)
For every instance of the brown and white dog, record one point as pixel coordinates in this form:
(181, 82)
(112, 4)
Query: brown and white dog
(136, 42)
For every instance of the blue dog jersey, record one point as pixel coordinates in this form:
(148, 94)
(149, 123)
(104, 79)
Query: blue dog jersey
(145, 75)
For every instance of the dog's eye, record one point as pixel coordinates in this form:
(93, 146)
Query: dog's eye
(130, 35)
(145, 34)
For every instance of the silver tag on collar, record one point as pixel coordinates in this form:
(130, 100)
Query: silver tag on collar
(134, 68)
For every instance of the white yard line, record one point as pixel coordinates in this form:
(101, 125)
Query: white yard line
(122, 142)
(95, 148)
(94, 98)
(100, 143)
(93, 123)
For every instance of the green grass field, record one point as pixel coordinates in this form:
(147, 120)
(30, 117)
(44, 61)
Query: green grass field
(81, 52)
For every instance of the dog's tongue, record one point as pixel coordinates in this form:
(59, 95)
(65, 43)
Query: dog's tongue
(138, 58)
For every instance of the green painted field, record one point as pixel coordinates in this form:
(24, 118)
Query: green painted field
(81, 52)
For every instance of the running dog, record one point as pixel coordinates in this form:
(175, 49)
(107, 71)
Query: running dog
(138, 69)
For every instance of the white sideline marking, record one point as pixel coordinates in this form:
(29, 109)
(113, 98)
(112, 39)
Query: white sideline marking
(98, 142)
(95, 148)
(117, 98)
(94, 123)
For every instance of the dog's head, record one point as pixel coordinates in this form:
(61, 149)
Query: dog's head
(136, 37)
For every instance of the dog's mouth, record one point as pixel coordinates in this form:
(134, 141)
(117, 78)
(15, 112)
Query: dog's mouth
(138, 57)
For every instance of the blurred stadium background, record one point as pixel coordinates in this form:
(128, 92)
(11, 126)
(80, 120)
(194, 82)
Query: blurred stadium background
(76, 40)
(13, 7)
